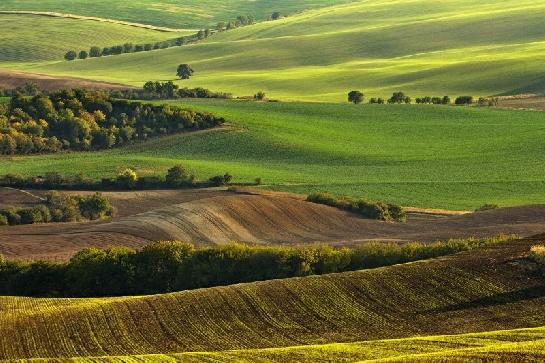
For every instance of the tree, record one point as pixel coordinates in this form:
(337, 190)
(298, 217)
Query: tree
(355, 97)
(399, 97)
(70, 55)
(464, 100)
(184, 71)
(127, 178)
(83, 55)
(276, 15)
(178, 175)
(95, 52)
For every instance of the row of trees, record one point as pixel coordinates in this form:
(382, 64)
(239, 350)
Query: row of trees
(173, 266)
(372, 210)
(59, 208)
(95, 51)
(127, 179)
(88, 120)
(358, 97)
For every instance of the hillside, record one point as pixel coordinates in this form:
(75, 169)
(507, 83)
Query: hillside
(486, 290)
(22, 43)
(455, 47)
(423, 156)
(171, 13)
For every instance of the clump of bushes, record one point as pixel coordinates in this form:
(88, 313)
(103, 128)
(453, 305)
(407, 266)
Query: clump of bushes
(433, 100)
(89, 120)
(127, 179)
(173, 266)
(59, 208)
(464, 100)
(372, 210)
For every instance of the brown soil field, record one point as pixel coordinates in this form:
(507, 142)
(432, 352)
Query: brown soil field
(10, 79)
(213, 216)
(528, 102)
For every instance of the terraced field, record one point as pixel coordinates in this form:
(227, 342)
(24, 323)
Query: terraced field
(486, 290)
(454, 47)
(424, 156)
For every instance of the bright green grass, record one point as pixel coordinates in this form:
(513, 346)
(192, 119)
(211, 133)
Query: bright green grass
(30, 38)
(451, 47)
(171, 13)
(426, 156)
(512, 345)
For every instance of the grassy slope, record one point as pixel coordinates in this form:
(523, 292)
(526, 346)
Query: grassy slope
(451, 47)
(28, 38)
(172, 13)
(470, 292)
(426, 156)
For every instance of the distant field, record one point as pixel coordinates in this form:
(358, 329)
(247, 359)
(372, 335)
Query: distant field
(31, 38)
(465, 293)
(451, 47)
(426, 156)
(171, 13)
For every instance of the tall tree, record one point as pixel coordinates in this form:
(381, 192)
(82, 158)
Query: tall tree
(355, 97)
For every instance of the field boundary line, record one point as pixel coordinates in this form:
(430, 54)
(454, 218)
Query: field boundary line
(94, 18)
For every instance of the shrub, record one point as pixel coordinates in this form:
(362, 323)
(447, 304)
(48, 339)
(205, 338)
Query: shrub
(95, 206)
(258, 181)
(537, 254)
(260, 96)
(30, 216)
(464, 100)
(179, 176)
(372, 210)
(127, 178)
(70, 55)
(3, 220)
(220, 180)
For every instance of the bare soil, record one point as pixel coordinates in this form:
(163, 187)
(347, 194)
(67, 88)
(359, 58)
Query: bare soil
(211, 217)
(10, 79)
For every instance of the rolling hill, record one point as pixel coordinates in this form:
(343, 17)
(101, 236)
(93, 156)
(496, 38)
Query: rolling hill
(485, 290)
(170, 13)
(22, 43)
(451, 47)
(424, 156)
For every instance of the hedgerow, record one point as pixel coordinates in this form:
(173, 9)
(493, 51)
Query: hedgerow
(59, 208)
(367, 209)
(173, 266)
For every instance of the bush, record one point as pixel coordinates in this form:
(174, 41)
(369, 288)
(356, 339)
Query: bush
(220, 180)
(260, 96)
(372, 210)
(3, 220)
(170, 266)
(537, 254)
(95, 207)
(30, 216)
(464, 100)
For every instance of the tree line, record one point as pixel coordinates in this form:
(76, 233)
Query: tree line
(58, 207)
(174, 266)
(96, 52)
(372, 210)
(127, 179)
(357, 97)
(88, 120)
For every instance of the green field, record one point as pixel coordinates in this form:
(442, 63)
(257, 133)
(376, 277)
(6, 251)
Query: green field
(426, 156)
(21, 42)
(170, 13)
(451, 47)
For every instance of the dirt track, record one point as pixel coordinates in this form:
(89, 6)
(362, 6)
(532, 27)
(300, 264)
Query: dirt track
(12, 79)
(208, 217)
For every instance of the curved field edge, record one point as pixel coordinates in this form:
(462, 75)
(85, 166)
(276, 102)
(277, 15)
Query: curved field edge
(421, 156)
(93, 18)
(320, 55)
(469, 292)
(519, 344)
